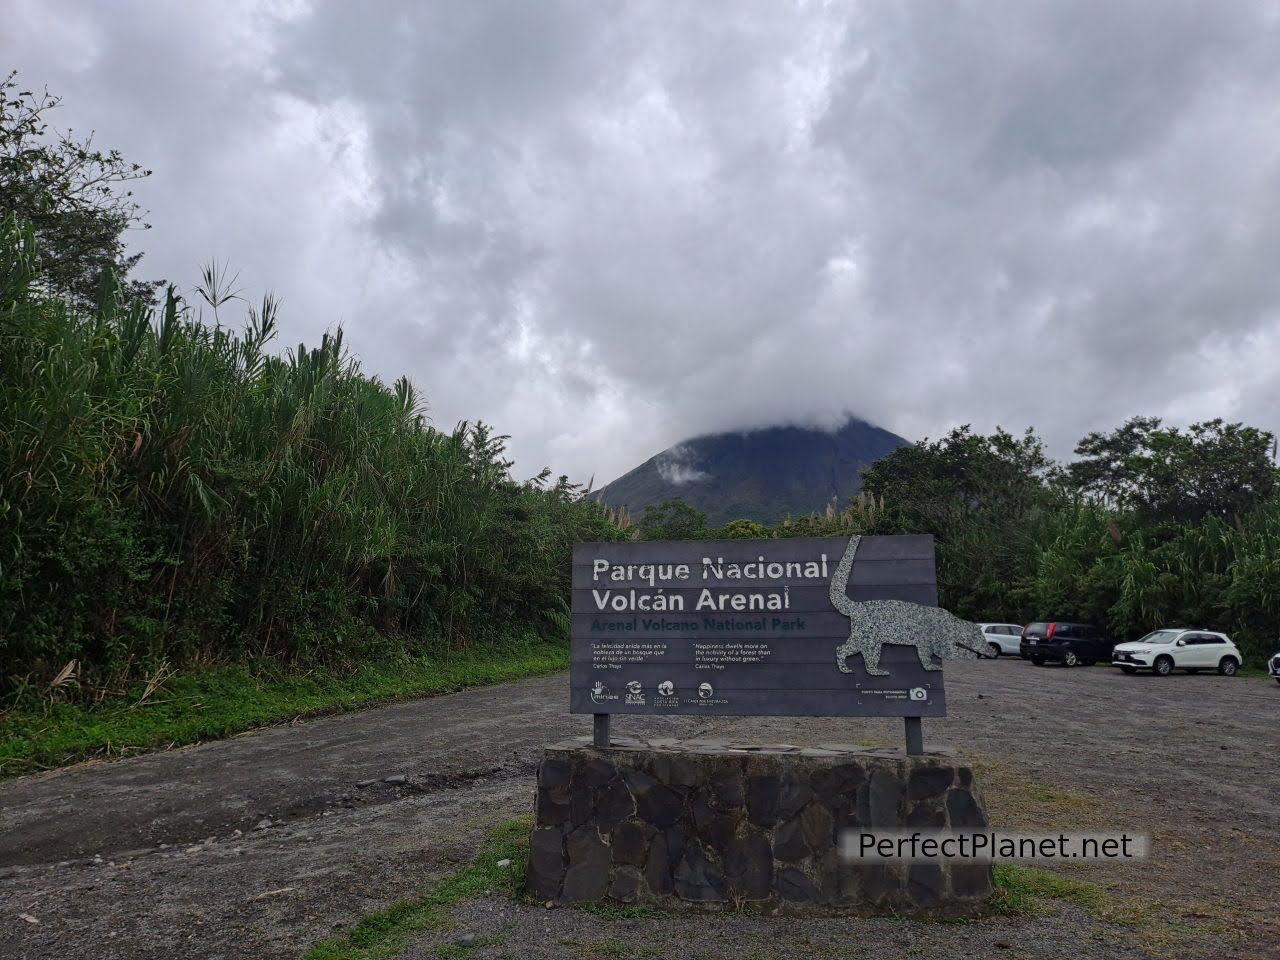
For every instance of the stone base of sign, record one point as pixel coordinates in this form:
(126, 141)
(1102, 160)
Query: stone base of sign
(664, 821)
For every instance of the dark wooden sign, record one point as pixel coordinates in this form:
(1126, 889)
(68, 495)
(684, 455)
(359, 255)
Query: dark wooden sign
(755, 627)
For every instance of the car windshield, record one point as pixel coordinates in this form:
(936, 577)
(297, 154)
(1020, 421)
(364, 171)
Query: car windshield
(1161, 636)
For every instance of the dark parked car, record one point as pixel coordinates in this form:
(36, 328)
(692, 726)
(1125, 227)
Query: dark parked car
(1066, 643)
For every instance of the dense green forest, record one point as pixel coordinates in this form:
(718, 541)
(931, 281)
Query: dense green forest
(1150, 526)
(174, 491)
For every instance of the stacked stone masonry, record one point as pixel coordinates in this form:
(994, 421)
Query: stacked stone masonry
(711, 821)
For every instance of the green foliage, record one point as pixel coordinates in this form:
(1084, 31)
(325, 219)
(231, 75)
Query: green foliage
(1213, 469)
(672, 519)
(977, 495)
(1023, 891)
(207, 703)
(1143, 533)
(743, 530)
(175, 493)
(74, 195)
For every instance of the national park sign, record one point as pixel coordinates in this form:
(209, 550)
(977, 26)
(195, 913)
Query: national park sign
(828, 626)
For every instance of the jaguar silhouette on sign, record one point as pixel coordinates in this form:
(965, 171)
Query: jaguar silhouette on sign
(934, 632)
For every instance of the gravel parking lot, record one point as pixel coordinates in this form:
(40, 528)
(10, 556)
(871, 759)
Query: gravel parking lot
(258, 846)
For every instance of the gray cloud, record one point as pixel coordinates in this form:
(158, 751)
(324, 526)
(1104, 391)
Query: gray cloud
(674, 466)
(605, 227)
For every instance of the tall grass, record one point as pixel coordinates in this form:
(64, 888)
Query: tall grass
(174, 491)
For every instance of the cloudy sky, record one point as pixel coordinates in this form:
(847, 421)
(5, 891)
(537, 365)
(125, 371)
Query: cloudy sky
(604, 227)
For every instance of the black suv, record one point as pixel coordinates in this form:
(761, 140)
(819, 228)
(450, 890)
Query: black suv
(1066, 643)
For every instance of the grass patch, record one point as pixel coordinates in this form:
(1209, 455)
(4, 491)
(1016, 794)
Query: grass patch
(1017, 801)
(215, 702)
(1254, 672)
(1052, 799)
(1023, 890)
(384, 934)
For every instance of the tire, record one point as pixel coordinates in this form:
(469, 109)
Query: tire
(995, 650)
(1037, 661)
(1129, 670)
(1228, 666)
(1069, 659)
(1163, 666)
(1277, 679)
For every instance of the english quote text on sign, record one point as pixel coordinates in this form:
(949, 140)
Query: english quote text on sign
(744, 627)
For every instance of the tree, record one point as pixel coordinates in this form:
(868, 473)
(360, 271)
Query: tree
(945, 486)
(743, 529)
(73, 194)
(1167, 475)
(977, 495)
(672, 519)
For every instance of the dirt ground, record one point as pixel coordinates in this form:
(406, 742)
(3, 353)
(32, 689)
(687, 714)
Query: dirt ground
(258, 846)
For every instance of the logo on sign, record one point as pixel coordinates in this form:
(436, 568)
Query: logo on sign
(705, 691)
(919, 693)
(599, 692)
(666, 688)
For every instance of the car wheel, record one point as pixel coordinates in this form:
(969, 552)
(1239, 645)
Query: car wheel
(1277, 679)
(1128, 669)
(1162, 667)
(1069, 659)
(1037, 661)
(1228, 666)
(994, 648)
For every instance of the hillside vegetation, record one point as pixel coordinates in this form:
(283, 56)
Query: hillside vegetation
(176, 493)
(1150, 526)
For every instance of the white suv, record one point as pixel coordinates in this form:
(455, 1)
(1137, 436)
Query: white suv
(1273, 667)
(1163, 651)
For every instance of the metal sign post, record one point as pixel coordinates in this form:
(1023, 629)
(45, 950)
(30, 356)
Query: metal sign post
(600, 730)
(915, 736)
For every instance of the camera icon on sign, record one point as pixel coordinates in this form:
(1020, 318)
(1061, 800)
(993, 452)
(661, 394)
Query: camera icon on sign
(919, 693)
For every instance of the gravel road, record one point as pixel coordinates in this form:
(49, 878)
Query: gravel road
(257, 846)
